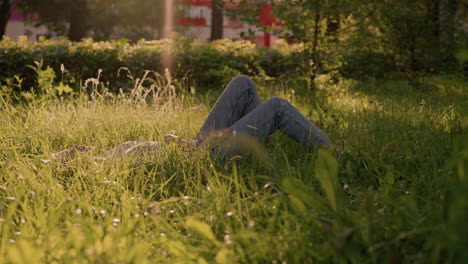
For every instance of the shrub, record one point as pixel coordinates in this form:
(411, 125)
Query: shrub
(363, 64)
(208, 64)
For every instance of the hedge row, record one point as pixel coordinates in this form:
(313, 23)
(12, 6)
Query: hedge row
(208, 64)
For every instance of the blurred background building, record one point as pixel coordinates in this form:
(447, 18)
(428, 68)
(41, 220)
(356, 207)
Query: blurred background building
(197, 17)
(193, 19)
(17, 26)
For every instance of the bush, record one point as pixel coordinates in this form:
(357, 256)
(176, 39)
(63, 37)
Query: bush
(364, 64)
(209, 64)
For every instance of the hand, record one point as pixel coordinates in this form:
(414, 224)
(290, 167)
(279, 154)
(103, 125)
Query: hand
(336, 150)
(169, 138)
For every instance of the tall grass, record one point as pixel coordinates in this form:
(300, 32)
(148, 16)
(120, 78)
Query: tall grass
(397, 194)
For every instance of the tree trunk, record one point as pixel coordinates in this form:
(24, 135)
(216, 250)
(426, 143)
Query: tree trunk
(217, 20)
(5, 9)
(448, 11)
(160, 18)
(413, 62)
(78, 20)
(434, 22)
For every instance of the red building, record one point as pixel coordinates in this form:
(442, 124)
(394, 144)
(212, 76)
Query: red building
(197, 18)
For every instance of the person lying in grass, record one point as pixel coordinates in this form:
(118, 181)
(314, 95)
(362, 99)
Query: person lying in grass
(234, 126)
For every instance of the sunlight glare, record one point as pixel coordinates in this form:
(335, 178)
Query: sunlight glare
(167, 58)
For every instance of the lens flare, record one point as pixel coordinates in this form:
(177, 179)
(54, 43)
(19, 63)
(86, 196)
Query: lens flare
(168, 29)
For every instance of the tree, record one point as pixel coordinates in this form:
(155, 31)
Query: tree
(369, 37)
(5, 9)
(100, 19)
(128, 19)
(313, 23)
(66, 17)
(77, 15)
(411, 32)
(217, 23)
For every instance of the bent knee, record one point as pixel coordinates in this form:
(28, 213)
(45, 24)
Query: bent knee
(243, 79)
(277, 101)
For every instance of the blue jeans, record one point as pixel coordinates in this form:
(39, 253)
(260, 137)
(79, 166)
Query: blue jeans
(239, 108)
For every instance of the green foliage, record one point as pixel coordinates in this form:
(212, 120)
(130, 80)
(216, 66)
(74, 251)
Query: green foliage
(45, 77)
(201, 229)
(326, 172)
(365, 64)
(207, 65)
(46, 87)
(133, 20)
(363, 39)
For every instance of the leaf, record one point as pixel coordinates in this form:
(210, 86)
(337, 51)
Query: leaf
(63, 88)
(250, 145)
(201, 260)
(301, 196)
(222, 256)
(326, 172)
(298, 204)
(201, 228)
(231, 142)
(178, 248)
(389, 178)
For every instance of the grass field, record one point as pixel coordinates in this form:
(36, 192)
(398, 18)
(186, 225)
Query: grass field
(398, 193)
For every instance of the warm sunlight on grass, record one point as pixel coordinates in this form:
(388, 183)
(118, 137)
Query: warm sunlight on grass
(393, 178)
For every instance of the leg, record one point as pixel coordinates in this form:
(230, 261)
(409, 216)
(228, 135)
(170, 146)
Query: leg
(238, 99)
(277, 114)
